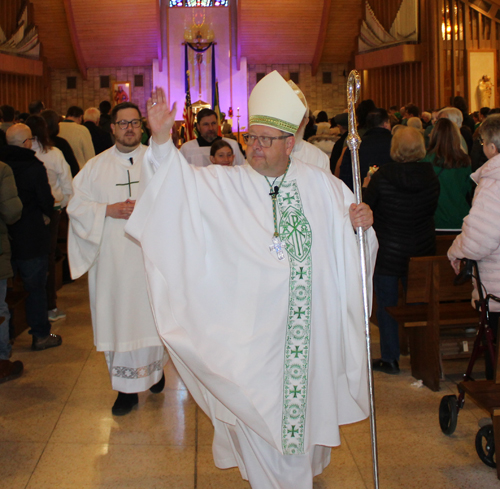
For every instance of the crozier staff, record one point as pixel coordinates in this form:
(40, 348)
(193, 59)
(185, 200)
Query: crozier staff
(255, 285)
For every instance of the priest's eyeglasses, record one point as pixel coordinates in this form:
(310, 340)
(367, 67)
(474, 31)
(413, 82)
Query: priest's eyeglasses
(264, 141)
(123, 124)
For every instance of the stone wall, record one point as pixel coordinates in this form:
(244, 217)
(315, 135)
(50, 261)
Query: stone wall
(330, 97)
(88, 92)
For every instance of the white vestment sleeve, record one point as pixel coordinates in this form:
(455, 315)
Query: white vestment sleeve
(86, 226)
(65, 180)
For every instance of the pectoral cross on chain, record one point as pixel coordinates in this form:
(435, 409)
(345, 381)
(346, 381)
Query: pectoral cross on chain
(278, 246)
(129, 183)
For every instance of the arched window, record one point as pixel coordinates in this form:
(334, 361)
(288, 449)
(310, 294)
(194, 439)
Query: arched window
(199, 3)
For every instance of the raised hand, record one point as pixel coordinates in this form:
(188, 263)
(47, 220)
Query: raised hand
(160, 118)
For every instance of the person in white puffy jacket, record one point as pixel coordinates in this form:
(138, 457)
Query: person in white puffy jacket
(480, 236)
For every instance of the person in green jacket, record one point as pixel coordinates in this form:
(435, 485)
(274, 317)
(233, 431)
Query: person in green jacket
(452, 166)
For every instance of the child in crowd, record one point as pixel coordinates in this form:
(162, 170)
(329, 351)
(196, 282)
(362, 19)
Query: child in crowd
(221, 153)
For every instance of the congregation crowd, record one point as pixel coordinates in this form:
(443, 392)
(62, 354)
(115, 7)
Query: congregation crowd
(423, 174)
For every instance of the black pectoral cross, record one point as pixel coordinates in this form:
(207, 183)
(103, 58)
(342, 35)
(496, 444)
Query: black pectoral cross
(129, 184)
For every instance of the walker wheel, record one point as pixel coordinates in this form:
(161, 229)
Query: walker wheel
(485, 446)
(448, 414)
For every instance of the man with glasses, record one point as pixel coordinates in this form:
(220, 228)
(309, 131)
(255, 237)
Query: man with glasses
(30, 235)
(197, 151)
(105, 191)
(254, 279)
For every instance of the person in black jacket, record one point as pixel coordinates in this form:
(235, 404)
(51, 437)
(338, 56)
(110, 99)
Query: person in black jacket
(375, 148)
(403, 196)
(100, 139)
(31, 234)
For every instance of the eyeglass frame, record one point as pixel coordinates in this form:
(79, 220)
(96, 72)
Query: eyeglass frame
(29, 139)
(129, 123)
(247, 136)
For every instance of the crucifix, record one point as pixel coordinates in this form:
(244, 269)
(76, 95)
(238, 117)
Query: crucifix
(278, 246)
(129, 184)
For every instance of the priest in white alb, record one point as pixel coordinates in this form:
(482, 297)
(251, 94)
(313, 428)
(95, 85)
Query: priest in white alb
(105, 191)
(254, 279)
(197, 151)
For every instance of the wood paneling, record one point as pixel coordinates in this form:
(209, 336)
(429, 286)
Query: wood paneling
(410, 82)
(121, 33)
(279, 32)
(20, 90)
(320, 44)
(341, 41)
(50, 17)
(107, 33)
(20, 66)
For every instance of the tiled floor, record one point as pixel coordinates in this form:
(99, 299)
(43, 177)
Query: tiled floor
(57, 431)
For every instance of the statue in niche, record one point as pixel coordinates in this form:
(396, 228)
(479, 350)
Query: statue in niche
(485, 88)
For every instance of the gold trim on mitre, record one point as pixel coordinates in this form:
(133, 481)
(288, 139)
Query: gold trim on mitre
(265, 120)
(274, 103)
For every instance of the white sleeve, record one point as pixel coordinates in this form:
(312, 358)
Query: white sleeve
(65, 180)
(86, 225)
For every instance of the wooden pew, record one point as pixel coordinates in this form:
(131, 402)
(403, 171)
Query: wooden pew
(435, 314)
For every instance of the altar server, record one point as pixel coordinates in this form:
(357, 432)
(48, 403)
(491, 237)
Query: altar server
(105, 191)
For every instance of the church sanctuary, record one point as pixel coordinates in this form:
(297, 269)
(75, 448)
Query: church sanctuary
(183, 288)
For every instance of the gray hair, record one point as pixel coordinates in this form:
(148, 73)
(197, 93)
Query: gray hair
(92, 114)
(490, 130)
(453, 114)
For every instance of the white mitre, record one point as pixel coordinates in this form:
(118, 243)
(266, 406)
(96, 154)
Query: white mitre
(273, 103)
(299, 94)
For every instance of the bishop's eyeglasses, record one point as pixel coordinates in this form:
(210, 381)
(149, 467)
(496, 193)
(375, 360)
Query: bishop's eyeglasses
(123, 124)
(264, 141)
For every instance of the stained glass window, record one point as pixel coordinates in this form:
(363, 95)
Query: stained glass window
(199, 3)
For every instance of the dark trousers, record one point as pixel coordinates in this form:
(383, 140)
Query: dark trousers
(51, 279)
(33, 273)
(386, 290)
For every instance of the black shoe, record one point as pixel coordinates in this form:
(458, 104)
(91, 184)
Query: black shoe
(158, 387)
(380, 365)
(49, 341)
(124, 404)
(10, 370)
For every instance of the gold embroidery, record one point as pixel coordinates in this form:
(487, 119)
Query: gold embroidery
(272, 121)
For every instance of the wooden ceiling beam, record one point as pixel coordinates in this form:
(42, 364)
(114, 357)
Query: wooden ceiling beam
(320, 43)
(75, 41)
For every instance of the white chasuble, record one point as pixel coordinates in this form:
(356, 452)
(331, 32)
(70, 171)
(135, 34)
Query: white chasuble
(278, 345)
(121, 313)
(200, 155)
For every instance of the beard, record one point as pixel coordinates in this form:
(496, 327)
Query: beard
(129, 140)
(210, 136)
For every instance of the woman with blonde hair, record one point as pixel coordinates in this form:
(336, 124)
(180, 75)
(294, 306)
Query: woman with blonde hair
(403, 197)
